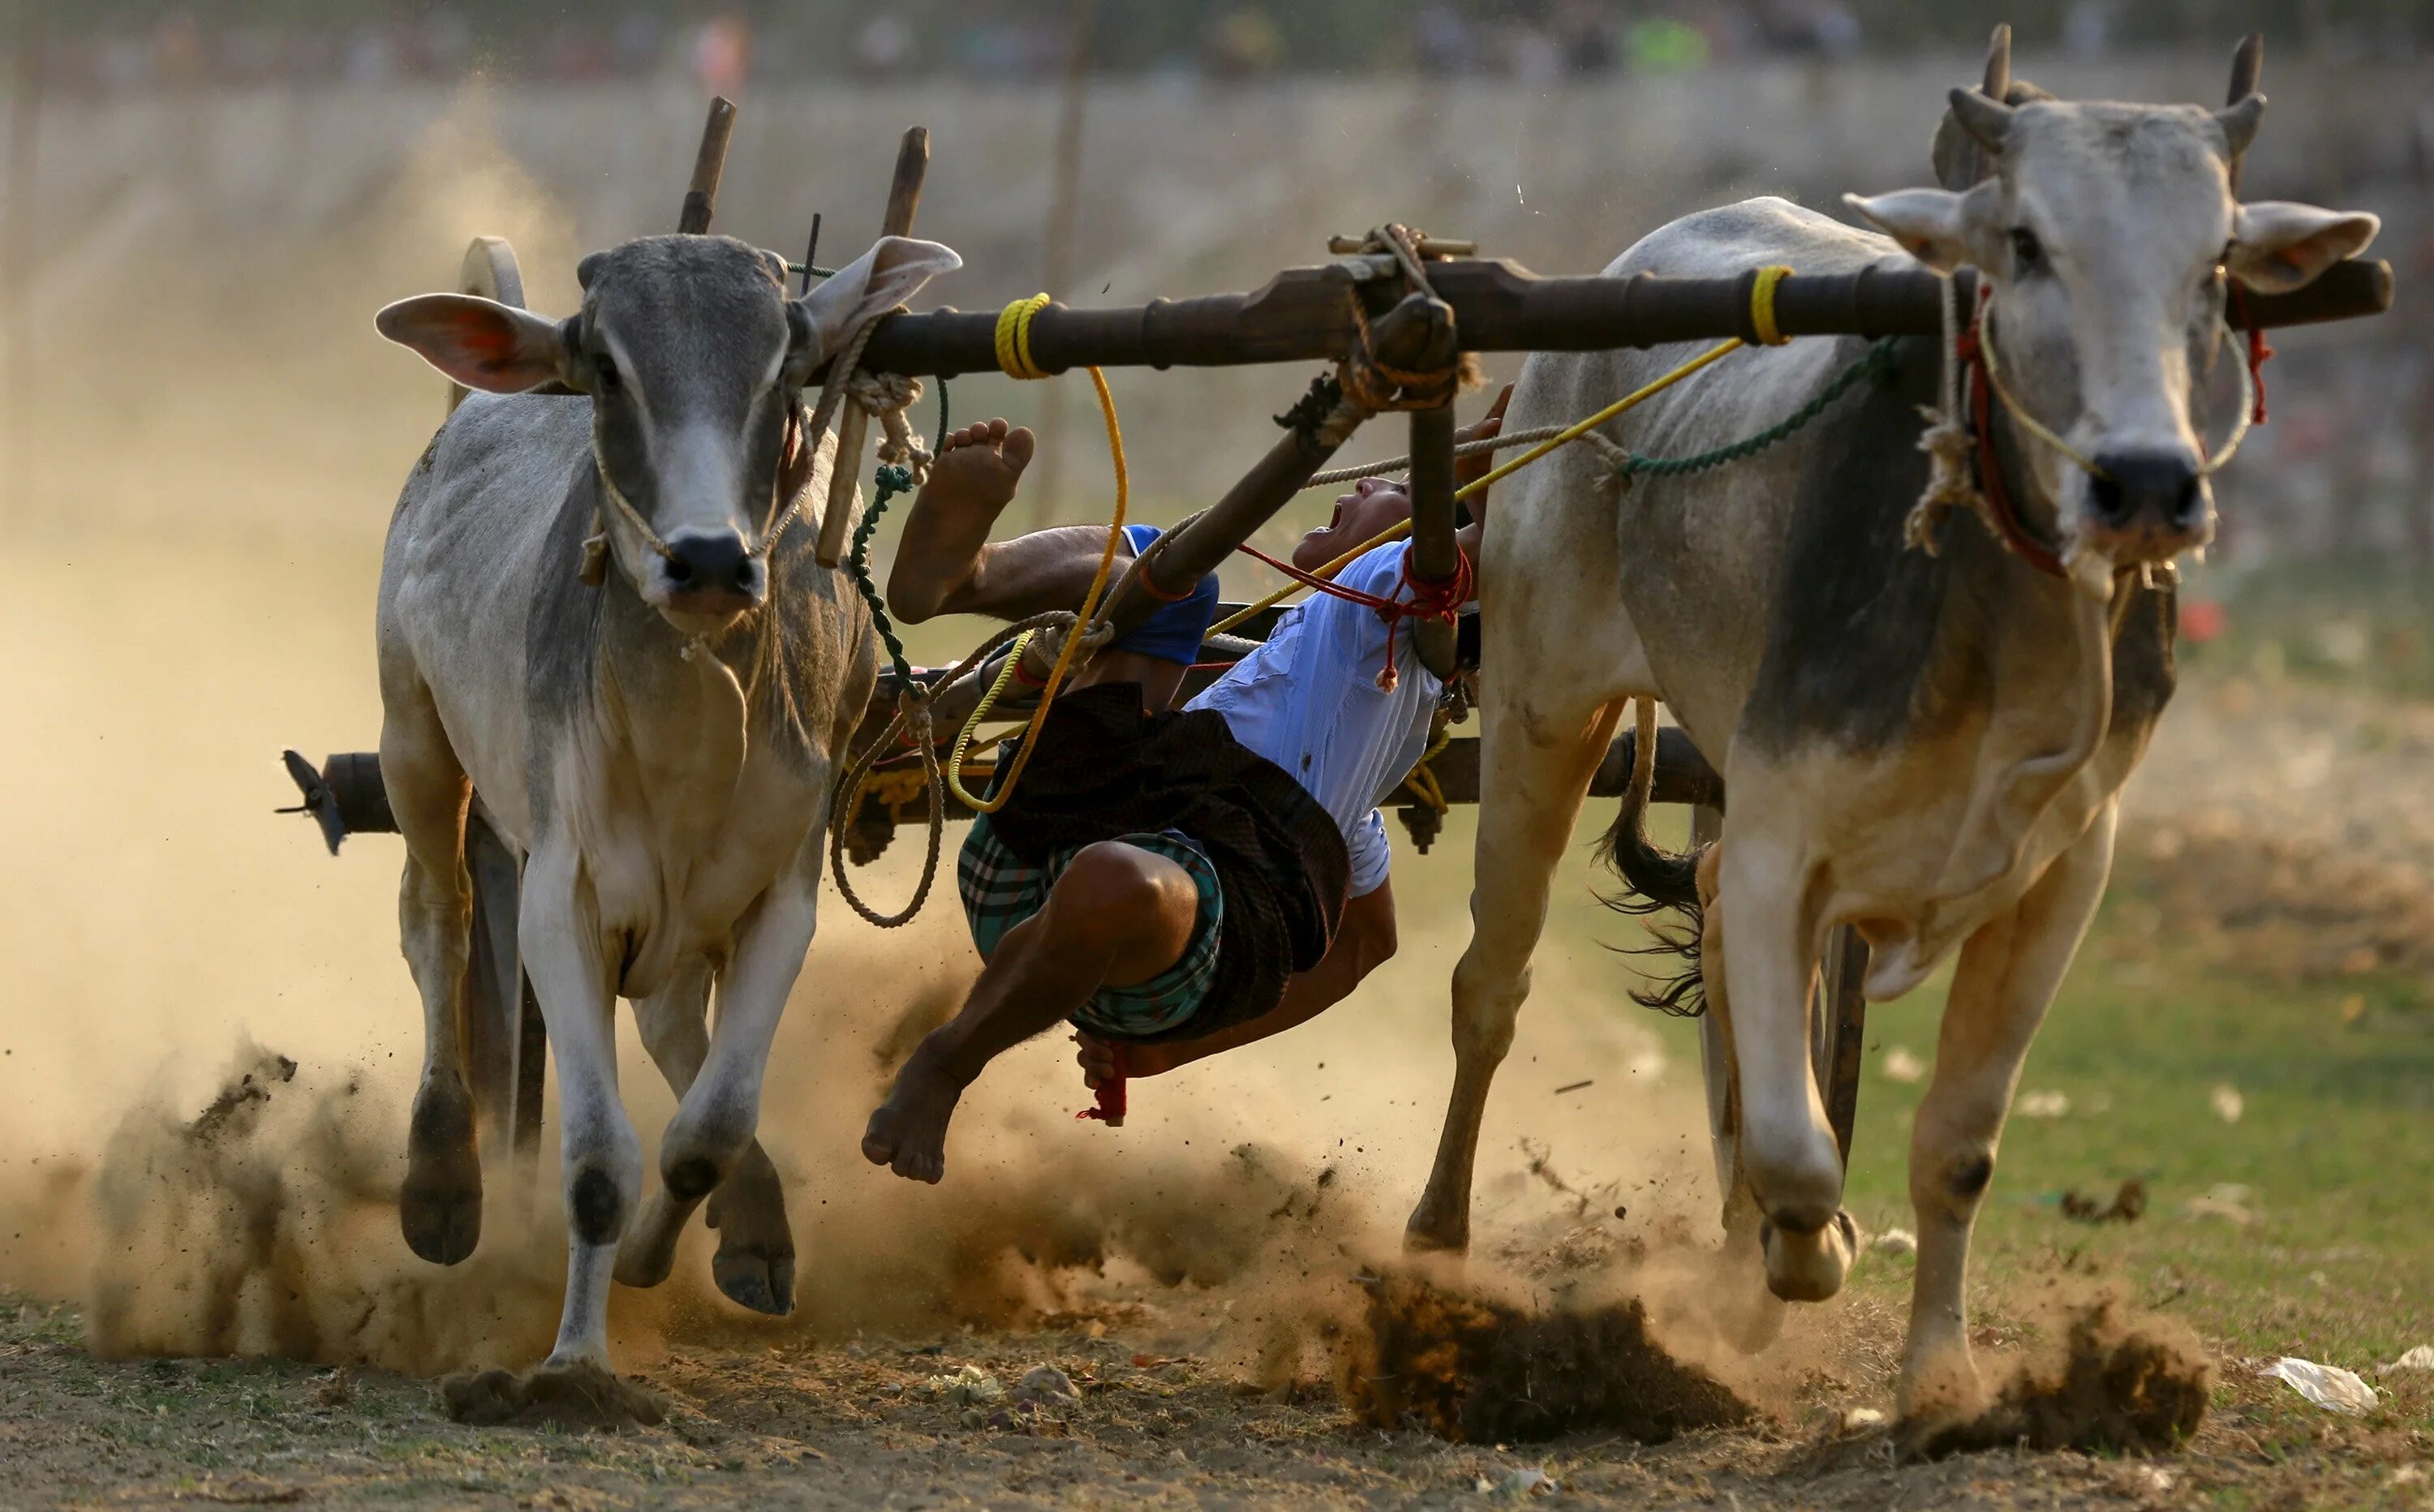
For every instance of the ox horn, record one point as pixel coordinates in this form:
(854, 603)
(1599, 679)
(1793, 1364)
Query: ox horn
(1986, 120)
(2244, 107)
(1962, 153)
(1998, 63)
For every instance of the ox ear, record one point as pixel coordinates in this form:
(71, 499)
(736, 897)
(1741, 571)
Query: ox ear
(890, 274)
(1932, 225)
(479, 343)
(2277, 246)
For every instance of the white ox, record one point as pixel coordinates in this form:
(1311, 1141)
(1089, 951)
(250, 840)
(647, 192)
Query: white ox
(659, 749)
(1926, 744)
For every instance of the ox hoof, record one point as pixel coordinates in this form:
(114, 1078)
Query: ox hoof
(649, 1250)
(1427, 1233)
(755, 1264)
(579, 1397)
(439, 1209)
(1809, 1267)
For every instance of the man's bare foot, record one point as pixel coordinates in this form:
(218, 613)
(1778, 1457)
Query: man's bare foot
(908, 1133)
(970, 483)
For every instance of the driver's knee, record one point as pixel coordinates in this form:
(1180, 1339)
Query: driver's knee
(1119, 896)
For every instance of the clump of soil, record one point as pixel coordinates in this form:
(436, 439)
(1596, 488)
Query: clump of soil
(578, 1398)
(2114, 1383)
(1480, 1370)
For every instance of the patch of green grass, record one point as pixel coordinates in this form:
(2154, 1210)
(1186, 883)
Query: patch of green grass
(2326, 1161)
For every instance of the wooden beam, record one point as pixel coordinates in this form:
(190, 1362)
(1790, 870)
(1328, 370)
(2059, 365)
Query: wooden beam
(1305, 314)
(903, 204)
(709, 165)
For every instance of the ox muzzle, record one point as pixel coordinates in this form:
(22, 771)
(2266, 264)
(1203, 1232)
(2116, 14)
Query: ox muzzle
(2145, 505)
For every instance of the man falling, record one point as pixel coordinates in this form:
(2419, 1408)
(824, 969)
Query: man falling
(1171, 883)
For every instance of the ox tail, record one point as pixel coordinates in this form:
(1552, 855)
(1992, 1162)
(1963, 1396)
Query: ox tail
(1656, 882)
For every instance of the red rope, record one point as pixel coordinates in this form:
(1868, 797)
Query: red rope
(1440, 602)
(2257, 353)
(1990, 468)
(1110, 1110)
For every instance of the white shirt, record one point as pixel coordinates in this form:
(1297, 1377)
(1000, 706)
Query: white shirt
(1308, 701)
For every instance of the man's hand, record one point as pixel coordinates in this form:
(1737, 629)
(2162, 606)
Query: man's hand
(1469, 470)
(1097, 1058)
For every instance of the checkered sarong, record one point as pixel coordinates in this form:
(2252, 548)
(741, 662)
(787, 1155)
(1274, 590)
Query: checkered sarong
(1000, 891)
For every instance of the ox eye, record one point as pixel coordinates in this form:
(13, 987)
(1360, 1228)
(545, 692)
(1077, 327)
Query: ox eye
(605, 375)
(2028, 253)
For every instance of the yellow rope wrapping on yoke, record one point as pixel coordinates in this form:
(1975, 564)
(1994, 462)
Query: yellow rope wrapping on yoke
(1014, 338)
(1569, 433)
(1014, 356)
(1762, 304)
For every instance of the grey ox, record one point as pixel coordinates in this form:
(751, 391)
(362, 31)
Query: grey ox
(1928, 743)
(658, 748)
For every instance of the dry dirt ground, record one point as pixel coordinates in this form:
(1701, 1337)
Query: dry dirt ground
(1199, 1304)
(858, 1425)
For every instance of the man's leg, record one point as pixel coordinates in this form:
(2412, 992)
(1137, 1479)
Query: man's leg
(1363, 941)
(948, 565)
(1117, 916)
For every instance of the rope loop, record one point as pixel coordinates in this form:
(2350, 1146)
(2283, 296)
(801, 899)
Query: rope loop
(1014, 339)
(1762, 304)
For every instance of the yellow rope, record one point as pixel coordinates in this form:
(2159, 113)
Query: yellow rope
(1014, 338)
(1762, 304)
(1014, 356)
(980, 712)
(1423, 781)
(1569, 433)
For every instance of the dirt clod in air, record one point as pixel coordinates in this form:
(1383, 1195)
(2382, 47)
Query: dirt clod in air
(2110, 1384)
(1481, 1370)
(2129, 1204)
(579, 1397)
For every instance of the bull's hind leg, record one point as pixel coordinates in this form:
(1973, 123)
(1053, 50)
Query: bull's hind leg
(756, 1252)
(1534, 770)
(440, 1207)
(2008, 972)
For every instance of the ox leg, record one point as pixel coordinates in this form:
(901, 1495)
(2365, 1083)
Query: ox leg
(600, 1159)
(710, 1144)
(441, 1206)
(756, 1254)
(1748, 1315)
(1535, 770)
(2008, 973)
(1788, 1157)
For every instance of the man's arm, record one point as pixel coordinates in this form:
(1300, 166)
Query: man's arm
(1363, 941)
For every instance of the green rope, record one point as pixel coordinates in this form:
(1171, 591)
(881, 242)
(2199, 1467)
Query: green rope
(890, 479)
(1876, 362)
(799, 268)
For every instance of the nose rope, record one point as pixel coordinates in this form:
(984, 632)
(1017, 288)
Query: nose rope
(883, 396)
(1989, 361)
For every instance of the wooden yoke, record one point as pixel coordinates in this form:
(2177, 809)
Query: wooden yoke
(903, 203)
(709, 165)
(1406, 336)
